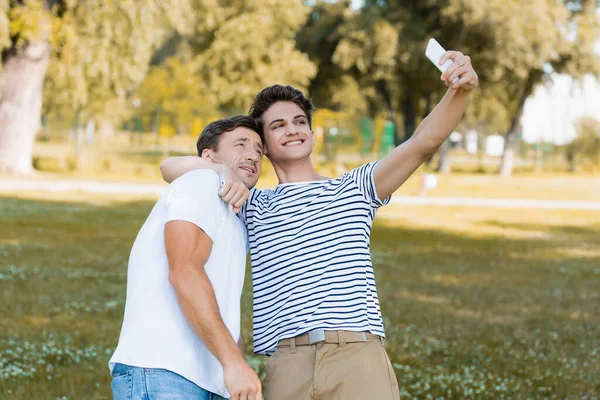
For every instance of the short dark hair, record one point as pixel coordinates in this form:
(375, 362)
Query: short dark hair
(211, 134)
(272, 94)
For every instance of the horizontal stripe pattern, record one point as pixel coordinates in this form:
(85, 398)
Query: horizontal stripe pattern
(311, 262)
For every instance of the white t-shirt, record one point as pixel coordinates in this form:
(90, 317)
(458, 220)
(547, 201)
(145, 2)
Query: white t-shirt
(155, 333)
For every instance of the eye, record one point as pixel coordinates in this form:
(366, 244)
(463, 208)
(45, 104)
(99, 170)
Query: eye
(277, 126)
(301, 122)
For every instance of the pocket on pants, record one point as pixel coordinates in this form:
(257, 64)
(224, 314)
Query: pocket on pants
(121, 385)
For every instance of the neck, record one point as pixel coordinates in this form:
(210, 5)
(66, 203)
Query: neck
(296, 171)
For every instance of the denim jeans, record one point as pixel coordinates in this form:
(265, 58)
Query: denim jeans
(134, 383)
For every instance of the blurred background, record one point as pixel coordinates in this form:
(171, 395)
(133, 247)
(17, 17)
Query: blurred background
(487, 259)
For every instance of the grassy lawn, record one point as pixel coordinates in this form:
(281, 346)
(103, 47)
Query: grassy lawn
(478, 303)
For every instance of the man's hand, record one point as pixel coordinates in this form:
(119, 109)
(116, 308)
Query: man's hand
(460, 68)
(242, 382)
(233, 191)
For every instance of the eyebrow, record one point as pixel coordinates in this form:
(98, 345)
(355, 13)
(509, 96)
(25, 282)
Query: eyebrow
(281, 119)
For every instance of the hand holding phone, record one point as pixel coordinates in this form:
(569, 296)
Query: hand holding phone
(435, 52)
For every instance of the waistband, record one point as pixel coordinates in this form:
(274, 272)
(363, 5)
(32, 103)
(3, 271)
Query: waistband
(330, 337)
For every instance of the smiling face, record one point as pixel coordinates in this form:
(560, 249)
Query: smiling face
(241, 149)
(288, 135)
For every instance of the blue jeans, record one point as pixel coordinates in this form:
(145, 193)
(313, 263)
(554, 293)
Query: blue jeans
(134, 383)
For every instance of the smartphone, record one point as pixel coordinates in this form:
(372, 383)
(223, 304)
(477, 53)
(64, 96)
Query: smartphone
(434, 52)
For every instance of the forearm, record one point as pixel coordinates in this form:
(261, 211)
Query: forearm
(442, 121)
(197, 300)
(401, 163)
(173, 167)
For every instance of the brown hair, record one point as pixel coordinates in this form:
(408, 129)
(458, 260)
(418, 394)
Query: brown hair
(272, 94)
(211, 134)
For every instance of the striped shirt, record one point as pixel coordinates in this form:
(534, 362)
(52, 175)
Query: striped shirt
(311, 265)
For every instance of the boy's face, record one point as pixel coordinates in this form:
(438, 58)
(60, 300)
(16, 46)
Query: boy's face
(241, 150)
(288, 136)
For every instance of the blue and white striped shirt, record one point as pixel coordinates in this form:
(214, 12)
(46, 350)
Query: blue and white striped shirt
(311, 265)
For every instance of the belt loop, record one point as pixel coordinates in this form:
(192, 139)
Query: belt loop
(341, 338)
(382, 339)
(293, 345)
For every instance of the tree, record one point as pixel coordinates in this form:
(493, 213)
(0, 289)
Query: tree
(585, 148)
(513, 46)
(95, 50)
(250, 45)
(174, 89)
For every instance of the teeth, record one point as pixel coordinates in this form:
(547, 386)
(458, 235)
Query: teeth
(293, 143)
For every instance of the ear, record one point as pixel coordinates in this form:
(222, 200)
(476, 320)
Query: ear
(207, 154)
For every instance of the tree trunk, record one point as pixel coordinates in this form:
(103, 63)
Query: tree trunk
(106, 131)
(508, 159)
(21, 106)
(383, 90)
(410, 117)
(444, 162)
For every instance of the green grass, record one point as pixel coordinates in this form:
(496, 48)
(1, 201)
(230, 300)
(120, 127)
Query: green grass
(481, 303)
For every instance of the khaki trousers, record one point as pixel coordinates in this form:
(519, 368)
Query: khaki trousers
(346, 366)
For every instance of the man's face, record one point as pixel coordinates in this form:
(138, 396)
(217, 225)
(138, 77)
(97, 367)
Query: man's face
(241, 150)
(288, 136)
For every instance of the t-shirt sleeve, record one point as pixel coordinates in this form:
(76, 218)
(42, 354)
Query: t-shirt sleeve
(243, 213)
(364, 179)
(194, 197)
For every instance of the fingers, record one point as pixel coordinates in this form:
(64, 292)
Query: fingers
(255, 393)
(461, 73)
(468, 81)
(236, 196)
(225, 188)
(240, 198)
(227, 196)
(457, 63)
(457, 73)
(450, 55)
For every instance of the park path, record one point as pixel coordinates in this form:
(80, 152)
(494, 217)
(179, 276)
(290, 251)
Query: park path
(11, 185)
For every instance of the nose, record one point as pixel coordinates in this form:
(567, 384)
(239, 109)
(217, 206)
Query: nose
(291, 130)
(253, 156)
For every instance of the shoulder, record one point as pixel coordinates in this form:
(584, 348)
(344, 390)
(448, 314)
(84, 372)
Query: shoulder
(205, 181)
(363, 169)
(200, 186)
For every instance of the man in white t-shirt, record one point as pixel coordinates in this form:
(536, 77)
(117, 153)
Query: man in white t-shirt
(184, 282)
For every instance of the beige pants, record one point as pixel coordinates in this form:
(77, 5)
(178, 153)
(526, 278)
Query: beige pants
(342, 368)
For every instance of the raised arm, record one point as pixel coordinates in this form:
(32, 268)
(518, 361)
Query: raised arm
(188, 248)
(403, 161)
(233, 191)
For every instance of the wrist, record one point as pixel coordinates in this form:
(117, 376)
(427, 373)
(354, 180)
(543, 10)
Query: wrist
(232, 359)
